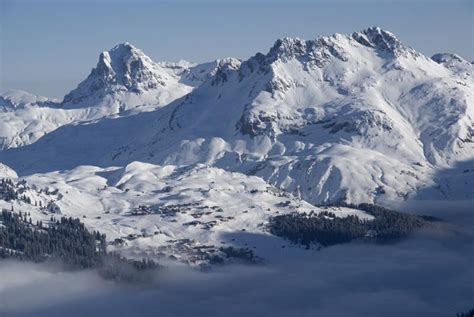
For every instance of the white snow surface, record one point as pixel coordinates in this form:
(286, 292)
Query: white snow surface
(124, 82)
(353, 118)
(7, 172)
(164, 211)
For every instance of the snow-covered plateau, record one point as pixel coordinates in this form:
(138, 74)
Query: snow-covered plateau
(179, 159)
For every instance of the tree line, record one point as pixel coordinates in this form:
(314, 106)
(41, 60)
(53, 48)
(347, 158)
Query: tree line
(327, 229)
(9, 191)
(66, 240)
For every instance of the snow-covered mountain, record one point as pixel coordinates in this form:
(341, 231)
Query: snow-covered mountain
(126, 78)
(124, 82)
(357, 117)
(342, 117)
(345, 118)
(13, 99)
(153, 211)
(455, 63)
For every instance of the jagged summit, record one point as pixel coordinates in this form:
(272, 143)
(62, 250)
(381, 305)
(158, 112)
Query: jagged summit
(128, 66)
(126, 78)
(378, 38)
(456, 64)
(287, 47)
(122, 68)
(441, 58)
(126, 69)
(452, 61)
(322, 49)
(304, 117)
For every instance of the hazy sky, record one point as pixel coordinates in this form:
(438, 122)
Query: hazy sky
(49, 46)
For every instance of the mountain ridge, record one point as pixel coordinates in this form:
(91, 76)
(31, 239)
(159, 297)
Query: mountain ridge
(295, 117)
(181, 161)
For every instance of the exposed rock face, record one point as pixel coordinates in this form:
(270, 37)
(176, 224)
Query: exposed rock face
(355, 118)
(123, 68)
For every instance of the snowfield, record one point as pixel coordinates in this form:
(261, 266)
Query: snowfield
(165, 211)
(177, 160)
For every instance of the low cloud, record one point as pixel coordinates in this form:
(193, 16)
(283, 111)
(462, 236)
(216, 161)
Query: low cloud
(426, 275)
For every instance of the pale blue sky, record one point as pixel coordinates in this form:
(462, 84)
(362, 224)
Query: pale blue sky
(49, 46)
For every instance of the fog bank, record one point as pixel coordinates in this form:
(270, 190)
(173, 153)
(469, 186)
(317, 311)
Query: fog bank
(430, 274)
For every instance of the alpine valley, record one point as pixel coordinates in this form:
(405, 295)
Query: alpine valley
(202, 162)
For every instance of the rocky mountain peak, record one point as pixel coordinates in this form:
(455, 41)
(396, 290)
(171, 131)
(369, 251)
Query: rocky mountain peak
(378, 38)
(321, 50)
(122, 68)
(455, 63)
(288, 47)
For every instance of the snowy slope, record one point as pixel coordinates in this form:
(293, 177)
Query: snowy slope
(343, 117)
(177, 159)
(125, 78)
(358, 118)
(124, 82)
(7, 172)
(156, 211)
(12, 99)
(20, 126)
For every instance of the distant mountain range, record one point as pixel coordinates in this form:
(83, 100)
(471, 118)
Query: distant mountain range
(359, 118)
